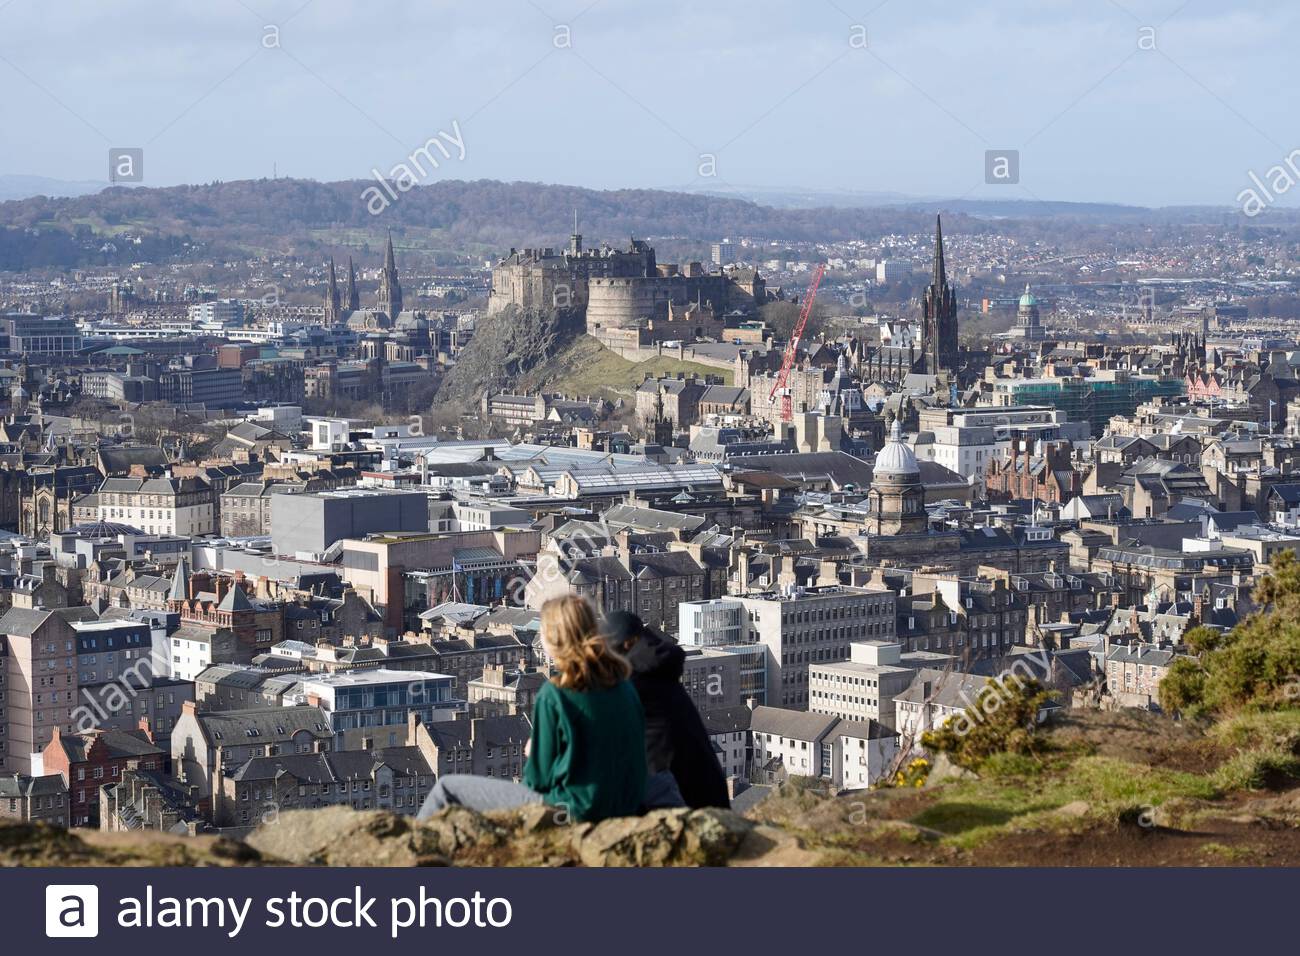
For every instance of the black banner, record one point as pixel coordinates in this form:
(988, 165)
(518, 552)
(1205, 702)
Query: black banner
(641, 911)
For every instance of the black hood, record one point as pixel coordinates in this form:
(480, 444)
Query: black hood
(655, 656)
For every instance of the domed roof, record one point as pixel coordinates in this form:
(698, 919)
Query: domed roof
(1028, 300)
(896, 458)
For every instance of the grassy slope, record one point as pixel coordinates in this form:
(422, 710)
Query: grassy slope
(1117, 789)
(585, 367)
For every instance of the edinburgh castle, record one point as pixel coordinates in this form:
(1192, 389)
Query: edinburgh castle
(628, 299)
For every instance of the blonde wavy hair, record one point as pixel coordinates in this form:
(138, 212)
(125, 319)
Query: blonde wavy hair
(583, 660)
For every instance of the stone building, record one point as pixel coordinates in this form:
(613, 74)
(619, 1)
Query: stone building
(25, 799)
(396, 779)
(95, 759)
(183, 506)
(629, 299)
(897, 498)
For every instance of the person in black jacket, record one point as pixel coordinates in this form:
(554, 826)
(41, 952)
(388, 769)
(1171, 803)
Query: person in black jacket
(676, 740)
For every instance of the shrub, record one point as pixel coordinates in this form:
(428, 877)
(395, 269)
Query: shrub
(1003, 719)
(912, 775)
(1255, 666)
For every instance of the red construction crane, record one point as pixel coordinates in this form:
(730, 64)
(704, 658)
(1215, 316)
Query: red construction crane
(791, 350)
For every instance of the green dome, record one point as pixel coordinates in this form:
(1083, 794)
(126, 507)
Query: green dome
(1028, 299)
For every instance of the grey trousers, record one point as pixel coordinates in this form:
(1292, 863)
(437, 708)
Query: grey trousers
(476, 793)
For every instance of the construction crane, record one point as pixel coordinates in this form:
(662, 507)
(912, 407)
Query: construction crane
(782, 381)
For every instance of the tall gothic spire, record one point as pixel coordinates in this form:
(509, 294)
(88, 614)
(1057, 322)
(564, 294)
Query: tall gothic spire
(940, 272)
(390, 261)
(332, 301)
(390, 290)
(354, 297)
(939, 309)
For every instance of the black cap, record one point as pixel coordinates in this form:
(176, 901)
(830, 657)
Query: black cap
(619, 627)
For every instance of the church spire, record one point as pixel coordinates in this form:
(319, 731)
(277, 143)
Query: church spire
(390, 289)
(939, 312)
(332, 301)
(390, 261)
(940, 278)
(354, 297)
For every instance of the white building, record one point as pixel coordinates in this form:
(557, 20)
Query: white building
(863, 687)
(193, 649)
(286, 419)
(806, 626)
(177, 506)
(967, 451)
(852, 755)
(728, 730)
(712, 623)
(892, 270)
(328, 434)
(483, 515)
(373, 704)
(933, 698)
(217, 313)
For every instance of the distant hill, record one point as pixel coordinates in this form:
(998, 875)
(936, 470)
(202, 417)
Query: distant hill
(485, 211)
(457, 218)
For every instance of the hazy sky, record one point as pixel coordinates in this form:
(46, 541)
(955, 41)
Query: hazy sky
(616, 93)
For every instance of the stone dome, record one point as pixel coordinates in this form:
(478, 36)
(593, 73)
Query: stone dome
(896, 458)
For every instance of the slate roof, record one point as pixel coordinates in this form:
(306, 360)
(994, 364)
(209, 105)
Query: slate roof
(334, 766)
(270, 724)
(795, 724)
(21, 785)
(495, 731)
(120, 743)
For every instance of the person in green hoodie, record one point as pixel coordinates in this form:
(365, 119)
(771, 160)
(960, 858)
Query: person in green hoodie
(586, 756)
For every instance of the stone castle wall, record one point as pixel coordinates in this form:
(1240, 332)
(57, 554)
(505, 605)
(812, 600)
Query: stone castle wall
(616, 290)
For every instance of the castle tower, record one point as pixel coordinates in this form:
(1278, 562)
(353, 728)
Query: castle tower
(354, 297)
(897, 497)
(390, 290)
(939, 308)
(332, 300)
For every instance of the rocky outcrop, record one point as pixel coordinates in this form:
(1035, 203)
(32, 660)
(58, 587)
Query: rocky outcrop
(37, 844)
(339, 836)
(505, 349)
(532, 836)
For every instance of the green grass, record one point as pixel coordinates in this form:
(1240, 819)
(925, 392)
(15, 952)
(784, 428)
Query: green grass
(1115, 784)
(1022, 794)
(1011, 765)
(588, 368)
(1279, 729)
(1256, 768)
(980, 807)
(1228, 854)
